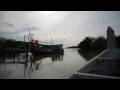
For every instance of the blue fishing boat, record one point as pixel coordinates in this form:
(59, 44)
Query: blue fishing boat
(42, 49)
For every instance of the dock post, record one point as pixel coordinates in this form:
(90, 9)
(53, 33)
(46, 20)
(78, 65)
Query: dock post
(26, 50)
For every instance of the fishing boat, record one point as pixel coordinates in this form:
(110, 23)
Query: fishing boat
(43, 49)
(51, 49)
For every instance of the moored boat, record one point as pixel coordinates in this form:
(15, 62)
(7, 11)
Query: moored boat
(42, 49)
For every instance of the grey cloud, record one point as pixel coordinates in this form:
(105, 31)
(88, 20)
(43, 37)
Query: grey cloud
(35, 28)
(8, 24)
(27, 29)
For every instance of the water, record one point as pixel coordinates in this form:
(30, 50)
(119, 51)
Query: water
(56, 66)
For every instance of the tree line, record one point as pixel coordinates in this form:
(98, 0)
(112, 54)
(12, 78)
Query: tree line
(12, 43)
(96, 43)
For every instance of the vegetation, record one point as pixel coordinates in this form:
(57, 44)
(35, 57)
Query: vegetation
(99, 43)
(86, 43)
(11, 43)
(96, 43)
(118, 40)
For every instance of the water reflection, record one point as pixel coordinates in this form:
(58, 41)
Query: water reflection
(35, 63)
(18, 58)
(2, 60)
(44, 66)
(31, 64)
(88, 54)
(56, 57)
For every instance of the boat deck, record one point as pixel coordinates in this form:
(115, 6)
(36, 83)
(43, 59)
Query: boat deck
(107, 67)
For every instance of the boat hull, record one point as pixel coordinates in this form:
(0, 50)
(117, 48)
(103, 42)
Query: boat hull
(104, 66)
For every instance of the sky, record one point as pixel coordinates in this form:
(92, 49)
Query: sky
(60, 27)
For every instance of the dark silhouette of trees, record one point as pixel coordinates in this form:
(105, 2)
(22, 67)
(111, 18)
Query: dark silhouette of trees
(96, 43)
(11, 43)
(117, 38)
(99, 43)
(86, 43)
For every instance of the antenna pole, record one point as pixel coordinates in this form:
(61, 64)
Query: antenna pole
(29, 34)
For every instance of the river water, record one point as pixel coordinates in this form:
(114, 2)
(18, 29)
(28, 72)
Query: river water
(55, 66)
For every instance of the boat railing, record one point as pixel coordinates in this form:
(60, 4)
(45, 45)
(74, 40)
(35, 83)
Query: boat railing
(92, 76)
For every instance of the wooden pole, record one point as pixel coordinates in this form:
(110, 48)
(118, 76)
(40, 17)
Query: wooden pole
(24, 40)
(30, 40)
(25, 45)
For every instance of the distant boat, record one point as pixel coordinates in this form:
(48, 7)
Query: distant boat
(42, 49)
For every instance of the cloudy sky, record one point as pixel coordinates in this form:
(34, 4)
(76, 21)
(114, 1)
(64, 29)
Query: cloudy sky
(68, 27)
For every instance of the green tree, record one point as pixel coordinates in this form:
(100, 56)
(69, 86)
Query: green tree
(86, 43)
(117, 38)
(99, 43)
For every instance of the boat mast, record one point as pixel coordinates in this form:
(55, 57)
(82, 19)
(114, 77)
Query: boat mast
(29, 34)
(29, 38)
(51, 41)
